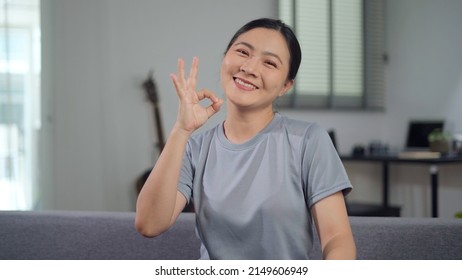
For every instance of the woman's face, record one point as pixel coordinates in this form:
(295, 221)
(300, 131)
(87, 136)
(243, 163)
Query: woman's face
(255, 68)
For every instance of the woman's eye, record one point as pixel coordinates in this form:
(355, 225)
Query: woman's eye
(243, 52)
(271, 63)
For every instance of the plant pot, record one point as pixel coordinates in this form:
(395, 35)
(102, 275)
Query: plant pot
(441, 146)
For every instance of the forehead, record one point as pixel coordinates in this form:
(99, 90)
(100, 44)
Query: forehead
(266, 40)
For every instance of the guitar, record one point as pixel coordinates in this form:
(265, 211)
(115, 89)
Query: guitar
(150, 88)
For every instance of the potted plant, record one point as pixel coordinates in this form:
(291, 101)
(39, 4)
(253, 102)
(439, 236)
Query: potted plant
(439, 141)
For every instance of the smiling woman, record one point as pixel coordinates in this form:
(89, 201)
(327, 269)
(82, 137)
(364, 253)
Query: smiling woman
(257, 62)
(260, 182)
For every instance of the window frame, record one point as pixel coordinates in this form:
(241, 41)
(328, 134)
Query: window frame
(374, 60)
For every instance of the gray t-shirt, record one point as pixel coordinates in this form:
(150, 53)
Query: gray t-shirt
(253, 200)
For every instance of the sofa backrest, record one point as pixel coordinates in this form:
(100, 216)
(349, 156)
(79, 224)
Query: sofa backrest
(392, 238)
(111, 235)
(91, 235)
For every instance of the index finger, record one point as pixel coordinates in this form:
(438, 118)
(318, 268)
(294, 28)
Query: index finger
(192, 80)
(180, 69)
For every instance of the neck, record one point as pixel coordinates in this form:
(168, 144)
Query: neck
(242, 126)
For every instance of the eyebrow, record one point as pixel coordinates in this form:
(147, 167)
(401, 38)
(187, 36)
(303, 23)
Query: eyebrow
(265, 52)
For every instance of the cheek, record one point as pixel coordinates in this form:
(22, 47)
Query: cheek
(225, 64)
(225, 71)
(222, 72)
(275, 82)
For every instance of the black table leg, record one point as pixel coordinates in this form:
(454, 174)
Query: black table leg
(434, 186)
(385, 184)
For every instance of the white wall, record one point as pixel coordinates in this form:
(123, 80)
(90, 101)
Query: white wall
(425, 71)
(102, 126)
(101, 51)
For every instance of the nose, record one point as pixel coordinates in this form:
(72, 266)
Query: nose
(250, 66)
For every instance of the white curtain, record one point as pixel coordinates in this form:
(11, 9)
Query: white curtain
(19, 102)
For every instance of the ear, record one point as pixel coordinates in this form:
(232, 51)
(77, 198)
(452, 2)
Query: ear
(287, 86)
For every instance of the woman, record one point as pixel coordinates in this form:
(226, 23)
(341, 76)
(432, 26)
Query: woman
(259, 181)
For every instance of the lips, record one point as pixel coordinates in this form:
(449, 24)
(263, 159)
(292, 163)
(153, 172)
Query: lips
(244, 84)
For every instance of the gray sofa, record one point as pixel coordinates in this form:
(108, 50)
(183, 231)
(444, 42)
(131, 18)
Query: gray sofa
(111, 235)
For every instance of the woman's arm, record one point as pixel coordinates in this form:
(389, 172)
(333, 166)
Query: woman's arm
(159, 202)
(333, 226)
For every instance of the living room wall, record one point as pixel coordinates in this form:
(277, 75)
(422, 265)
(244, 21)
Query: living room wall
(99, 133)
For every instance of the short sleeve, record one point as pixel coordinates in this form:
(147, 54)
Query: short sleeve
(185, 182)
(323, 173)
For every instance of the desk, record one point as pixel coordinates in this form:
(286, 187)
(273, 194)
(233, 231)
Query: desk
(387, 160)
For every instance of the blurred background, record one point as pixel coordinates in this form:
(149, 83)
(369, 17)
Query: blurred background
(77, 130)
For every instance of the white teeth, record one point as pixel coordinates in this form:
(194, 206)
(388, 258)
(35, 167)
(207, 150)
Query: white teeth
(242, 83)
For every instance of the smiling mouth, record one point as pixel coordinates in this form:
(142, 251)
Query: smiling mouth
(244, 84)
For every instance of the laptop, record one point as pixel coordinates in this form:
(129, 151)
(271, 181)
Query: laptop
(418, 131)
(417, 145)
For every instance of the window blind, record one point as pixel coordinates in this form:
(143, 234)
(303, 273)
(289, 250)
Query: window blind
(342, 53)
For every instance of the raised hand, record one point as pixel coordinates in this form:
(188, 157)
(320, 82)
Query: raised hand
(191, 114)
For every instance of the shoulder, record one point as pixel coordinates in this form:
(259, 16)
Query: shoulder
(201, 138)
(302, 128)
(306, 136)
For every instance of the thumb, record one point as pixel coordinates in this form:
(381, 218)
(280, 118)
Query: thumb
(214, 107)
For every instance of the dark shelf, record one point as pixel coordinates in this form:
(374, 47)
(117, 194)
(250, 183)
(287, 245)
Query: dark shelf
(372, 210)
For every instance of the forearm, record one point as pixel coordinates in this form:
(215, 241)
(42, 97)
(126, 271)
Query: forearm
(333, 226)
(156, 201)
(340, 247)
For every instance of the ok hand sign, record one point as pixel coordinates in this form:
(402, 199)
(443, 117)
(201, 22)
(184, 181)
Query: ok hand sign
(191, 114)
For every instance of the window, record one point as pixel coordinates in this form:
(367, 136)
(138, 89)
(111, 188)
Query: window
(343, 57)
(19, 102)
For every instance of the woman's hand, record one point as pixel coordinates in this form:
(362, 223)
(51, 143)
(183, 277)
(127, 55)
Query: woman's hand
(191, 114)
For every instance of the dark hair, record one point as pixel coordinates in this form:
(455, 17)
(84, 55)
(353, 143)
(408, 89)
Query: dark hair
(286, 32)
